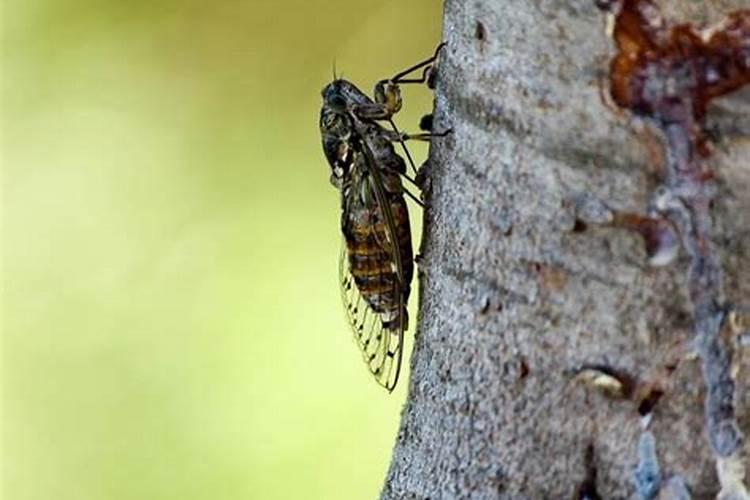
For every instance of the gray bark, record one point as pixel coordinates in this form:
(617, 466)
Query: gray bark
(515, 299)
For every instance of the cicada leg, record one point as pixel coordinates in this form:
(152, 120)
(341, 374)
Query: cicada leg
(401, 138)
(387, 93)
(426, 64)
(426, 136)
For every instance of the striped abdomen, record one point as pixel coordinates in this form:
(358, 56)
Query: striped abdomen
(371, 263)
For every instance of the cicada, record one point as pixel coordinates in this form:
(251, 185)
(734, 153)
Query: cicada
(376, 262)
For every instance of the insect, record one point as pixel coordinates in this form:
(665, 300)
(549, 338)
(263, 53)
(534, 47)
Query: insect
(376, 262)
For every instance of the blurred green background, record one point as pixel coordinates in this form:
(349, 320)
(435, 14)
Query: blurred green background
(172, 327)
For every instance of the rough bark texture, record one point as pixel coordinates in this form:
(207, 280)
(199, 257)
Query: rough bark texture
(518, 294)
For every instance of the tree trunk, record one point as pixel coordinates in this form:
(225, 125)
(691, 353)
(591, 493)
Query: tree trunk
(526, 280)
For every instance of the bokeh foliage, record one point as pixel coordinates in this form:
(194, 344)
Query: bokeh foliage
(172, 326)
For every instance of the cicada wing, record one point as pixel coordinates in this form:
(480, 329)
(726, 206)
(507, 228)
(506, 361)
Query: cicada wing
(380, 338)
(374, 282)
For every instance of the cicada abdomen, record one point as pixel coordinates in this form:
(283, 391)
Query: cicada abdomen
(371, 262)
(376, 270)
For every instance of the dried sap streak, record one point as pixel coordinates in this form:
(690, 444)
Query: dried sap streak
(376, 264)
(671, 74)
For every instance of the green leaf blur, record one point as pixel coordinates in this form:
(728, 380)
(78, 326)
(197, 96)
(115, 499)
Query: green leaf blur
(172, 326)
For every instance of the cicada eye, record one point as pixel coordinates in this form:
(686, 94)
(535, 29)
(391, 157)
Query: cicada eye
(337, 102)
(333, 99)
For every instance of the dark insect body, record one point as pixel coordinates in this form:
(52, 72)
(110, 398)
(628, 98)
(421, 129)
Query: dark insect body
(376, 264)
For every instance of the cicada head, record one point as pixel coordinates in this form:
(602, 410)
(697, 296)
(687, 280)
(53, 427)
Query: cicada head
(341, 95)
(336, 129)
(334, 98)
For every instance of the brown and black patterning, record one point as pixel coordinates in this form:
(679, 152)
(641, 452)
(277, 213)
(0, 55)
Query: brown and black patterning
(376, 264)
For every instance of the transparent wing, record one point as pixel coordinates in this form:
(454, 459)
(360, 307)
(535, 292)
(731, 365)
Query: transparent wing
(380, 338)
(373, 281)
